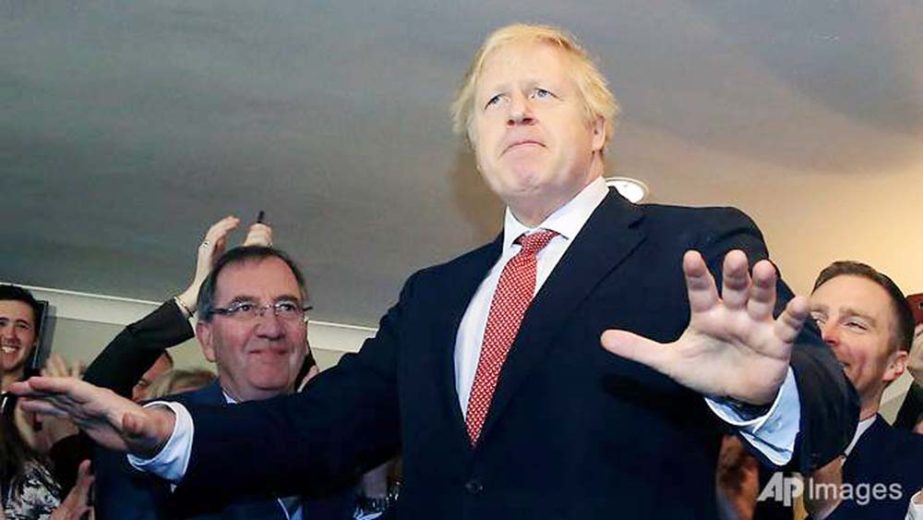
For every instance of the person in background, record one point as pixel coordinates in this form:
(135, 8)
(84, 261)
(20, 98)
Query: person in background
(910, 416)
(142, 346)
(19, 331)
(29, 487)
(864, 318)
(141, 390)
(180, 380)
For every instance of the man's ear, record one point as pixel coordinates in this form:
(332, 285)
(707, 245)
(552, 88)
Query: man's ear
(599, 133)
(897, 364)
(204, 334)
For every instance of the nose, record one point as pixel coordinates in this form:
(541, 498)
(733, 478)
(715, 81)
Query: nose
(269, 325)
(829, 332)
(8, 331)
(520, 110)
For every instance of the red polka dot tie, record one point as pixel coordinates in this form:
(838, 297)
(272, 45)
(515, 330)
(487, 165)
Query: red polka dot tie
(511, 299)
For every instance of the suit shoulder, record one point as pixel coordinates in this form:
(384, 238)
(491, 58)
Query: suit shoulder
(472, 259)
(696, 215)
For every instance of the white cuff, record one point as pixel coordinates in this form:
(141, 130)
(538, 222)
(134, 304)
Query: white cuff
(773, 434)
(915, 511)
(171, 463)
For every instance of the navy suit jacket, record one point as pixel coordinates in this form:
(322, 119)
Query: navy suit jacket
(573, 431)
(126, 494)
(884, 456)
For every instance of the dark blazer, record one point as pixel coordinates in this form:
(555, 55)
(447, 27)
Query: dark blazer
(884, 456)
(911, 411)
(126, 494)
(128, 356)
(573, 431)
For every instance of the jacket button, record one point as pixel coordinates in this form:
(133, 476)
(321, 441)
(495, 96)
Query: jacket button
(474, 486)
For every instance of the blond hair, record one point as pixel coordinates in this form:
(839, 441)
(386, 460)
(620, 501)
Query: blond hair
(179, 380)
(598, 100)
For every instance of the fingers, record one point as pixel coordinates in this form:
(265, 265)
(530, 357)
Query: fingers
(74, 504)
(762, 301)
(637, 348)
(43, 407)
(221, 229)
(700, 285)
(55, 366)
(259, 235)
(214, 243)
(735, 275)
(789, 324)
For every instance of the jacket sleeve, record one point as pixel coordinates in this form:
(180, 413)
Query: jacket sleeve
(344, 423)
(829, 403)
(122, 363)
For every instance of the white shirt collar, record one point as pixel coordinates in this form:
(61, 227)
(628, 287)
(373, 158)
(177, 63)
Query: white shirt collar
(861, 428)
(566, 221)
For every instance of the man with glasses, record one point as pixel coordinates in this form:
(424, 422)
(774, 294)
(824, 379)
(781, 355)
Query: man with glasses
(252, 325)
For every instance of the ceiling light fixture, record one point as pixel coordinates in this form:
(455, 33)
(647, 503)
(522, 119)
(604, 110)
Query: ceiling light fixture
(632, 189)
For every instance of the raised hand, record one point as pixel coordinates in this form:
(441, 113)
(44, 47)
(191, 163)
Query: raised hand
(75, 505)
(112, 421)
(258, 235)
(212, 247)
(56, 366)
(733, 347)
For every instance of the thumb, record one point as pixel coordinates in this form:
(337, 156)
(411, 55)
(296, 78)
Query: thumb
(637, 348)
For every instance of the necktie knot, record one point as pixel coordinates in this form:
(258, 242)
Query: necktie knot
(535, 242)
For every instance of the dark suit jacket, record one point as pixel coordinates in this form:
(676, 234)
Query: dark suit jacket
(126, 494)
(130, 354)
(884, 456)
(911, 411)
(573, 431)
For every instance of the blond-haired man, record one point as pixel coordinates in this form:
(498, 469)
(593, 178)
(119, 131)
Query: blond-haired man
(488, 372)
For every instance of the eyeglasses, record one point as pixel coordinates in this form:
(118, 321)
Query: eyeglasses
(249, 311)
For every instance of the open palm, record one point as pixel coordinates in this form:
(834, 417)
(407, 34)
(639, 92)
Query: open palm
(733, 346)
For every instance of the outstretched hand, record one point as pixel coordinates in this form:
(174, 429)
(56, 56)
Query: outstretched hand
(733, 347)
(109, 419)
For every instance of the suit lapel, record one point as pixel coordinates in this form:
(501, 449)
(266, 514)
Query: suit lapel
(459, 291)
(606, 239)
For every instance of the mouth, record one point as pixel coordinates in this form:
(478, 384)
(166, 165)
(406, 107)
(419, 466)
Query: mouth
(523, 143)
(7, 349)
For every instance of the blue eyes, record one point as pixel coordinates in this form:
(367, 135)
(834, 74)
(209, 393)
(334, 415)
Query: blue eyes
(536, 93)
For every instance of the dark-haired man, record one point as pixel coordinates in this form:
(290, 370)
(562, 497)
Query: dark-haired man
(864, 318)
(252, 326)
(19, 312)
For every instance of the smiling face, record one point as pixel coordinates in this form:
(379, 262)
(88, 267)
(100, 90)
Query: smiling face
(260, 358)
(857, 321)
(17, 334)
(535, 145)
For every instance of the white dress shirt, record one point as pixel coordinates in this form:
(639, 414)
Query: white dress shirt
(175, 463)
(773, 434)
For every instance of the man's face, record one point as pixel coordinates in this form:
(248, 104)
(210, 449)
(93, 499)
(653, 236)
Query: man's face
(256, 359)
(857, 320)
(17, 334)
(530, 130)
(161, 366)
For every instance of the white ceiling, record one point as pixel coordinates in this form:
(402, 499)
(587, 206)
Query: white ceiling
(126, 128)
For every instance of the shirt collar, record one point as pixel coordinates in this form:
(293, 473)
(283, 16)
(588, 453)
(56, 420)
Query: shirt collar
(566, 221)
(861, 428)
